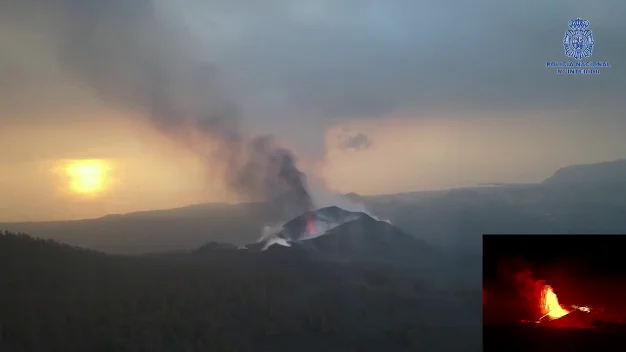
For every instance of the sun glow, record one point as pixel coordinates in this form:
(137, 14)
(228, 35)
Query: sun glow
(87, 177)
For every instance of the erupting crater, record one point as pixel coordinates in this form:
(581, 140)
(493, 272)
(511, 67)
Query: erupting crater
(550, 306)
(557, 315)
(309, 225)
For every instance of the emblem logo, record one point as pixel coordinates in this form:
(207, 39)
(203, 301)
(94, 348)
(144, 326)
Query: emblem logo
(578, 42)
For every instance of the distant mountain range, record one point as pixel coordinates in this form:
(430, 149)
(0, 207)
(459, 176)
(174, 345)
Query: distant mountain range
(576, 199)
(598, 172)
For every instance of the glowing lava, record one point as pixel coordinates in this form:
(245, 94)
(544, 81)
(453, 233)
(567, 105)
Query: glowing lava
(550, 304)
(310, 225)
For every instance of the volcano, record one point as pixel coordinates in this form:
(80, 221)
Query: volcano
(307, 226)
(313, 224)
(333, 233)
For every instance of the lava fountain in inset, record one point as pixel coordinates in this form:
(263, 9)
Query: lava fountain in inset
(550, 306)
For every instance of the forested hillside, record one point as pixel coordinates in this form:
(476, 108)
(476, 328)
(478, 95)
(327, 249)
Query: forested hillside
(59, 298)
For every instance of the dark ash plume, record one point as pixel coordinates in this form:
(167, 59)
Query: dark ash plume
(133, 60)
(270, 173)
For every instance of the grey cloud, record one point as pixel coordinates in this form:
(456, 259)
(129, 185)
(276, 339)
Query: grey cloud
(325, 60)
(356, 141)
(433, 57)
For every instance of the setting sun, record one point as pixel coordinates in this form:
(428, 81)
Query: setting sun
(87, 177)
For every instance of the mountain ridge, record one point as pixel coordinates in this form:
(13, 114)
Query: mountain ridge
(592, 172)
(455, 217)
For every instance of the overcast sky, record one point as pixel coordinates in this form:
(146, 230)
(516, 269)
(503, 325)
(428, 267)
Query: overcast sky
(372, 96)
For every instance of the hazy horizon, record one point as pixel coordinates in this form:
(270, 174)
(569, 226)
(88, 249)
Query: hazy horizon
(110, 107)
(339, 194)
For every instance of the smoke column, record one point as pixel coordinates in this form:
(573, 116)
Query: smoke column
(134, 59)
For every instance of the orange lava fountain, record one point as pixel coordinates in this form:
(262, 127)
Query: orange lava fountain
(550, 304)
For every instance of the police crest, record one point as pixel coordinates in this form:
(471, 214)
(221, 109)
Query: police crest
(578, 42)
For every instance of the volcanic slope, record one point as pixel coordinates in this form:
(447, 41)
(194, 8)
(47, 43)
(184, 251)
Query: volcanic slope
(335, 234)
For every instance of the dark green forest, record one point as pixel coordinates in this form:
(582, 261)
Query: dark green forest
(55, 297)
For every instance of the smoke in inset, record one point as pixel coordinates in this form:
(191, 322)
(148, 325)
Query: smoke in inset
(517, 273)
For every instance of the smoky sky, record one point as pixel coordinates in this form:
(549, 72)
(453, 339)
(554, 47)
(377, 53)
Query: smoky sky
(239, 68)
(133, 60)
